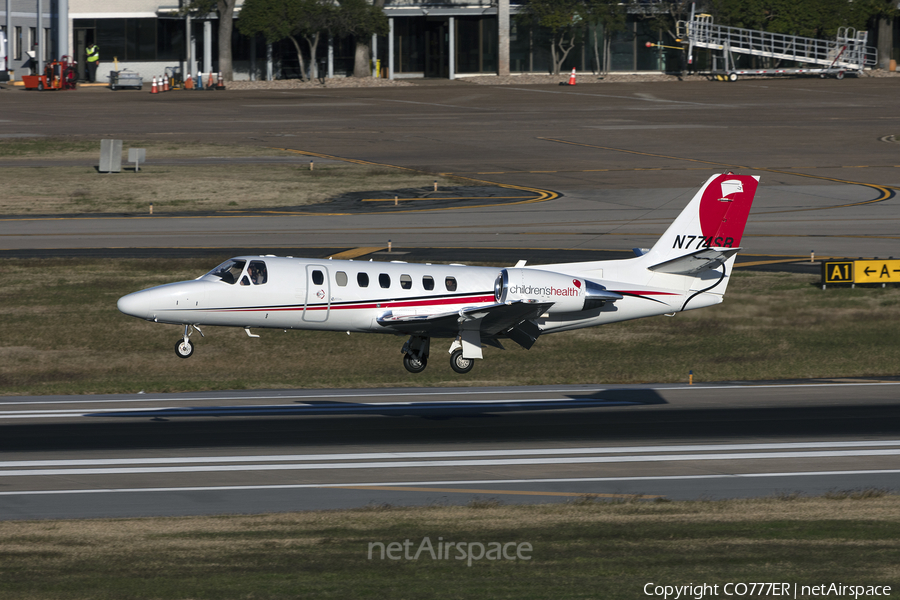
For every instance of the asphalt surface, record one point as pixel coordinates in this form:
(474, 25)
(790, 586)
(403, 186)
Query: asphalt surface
(239, 452)
(612, 163)
(599, 169)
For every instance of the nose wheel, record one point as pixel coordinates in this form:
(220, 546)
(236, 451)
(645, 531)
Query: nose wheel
(184, 348)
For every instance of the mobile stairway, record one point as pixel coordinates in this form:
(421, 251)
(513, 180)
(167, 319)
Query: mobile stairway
(848, 54)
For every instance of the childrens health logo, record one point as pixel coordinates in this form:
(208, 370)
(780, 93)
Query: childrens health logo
(548, 290)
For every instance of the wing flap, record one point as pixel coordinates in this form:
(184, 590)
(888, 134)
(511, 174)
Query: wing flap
(492, 320)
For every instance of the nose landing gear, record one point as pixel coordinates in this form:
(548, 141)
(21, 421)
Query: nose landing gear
(184, 348)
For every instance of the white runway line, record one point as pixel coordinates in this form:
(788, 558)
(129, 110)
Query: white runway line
(449, 459)
(467, 482)
(446, 454)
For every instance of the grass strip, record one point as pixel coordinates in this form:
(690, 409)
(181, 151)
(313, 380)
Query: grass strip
(583, 549)
(64, 335)
(181, 188)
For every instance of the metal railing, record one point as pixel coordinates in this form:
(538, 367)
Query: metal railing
(848, 51)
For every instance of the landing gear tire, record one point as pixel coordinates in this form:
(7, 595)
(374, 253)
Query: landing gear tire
(184, 348)
(460, 364)
(414, 364)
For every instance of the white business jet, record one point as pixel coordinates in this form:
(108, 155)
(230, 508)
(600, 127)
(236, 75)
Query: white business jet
(687, 268)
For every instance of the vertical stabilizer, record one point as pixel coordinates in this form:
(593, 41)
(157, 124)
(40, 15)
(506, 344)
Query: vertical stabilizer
(711, 224)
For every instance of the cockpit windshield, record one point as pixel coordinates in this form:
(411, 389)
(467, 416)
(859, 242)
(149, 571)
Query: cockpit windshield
(229, 271)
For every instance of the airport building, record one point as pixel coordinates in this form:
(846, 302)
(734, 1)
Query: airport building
(444, 39)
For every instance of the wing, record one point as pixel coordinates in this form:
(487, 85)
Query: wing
(512, 320)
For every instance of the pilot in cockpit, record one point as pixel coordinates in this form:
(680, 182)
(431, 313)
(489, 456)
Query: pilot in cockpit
(256, 274)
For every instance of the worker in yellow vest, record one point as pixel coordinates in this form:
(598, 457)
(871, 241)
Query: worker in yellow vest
(93, 61)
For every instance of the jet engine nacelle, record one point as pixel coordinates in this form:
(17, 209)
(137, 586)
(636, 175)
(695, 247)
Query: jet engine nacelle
(567, 293)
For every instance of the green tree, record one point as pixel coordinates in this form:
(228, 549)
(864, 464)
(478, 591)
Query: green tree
(819, 19)
(562, 18)
(608, 17)
(225, 11)
(277, 20)
(361, 20)
(811, 18)
(880, 14)
(664, 16)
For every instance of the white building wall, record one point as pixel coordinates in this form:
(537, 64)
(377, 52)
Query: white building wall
(115, 7)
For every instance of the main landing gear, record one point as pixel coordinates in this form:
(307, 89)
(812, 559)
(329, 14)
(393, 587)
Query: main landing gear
(415, 353)
(459, 364)
(184, 348)
(415, 356)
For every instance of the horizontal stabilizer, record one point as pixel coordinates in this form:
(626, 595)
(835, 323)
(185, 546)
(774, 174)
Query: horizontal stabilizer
(695, 262)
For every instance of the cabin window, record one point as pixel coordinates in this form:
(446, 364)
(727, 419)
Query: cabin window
(384, 280)
(318, 278)
(257, 272)
(428, 282)
(450, 284)
(341, 278)
(362, 279)
(406, 282)
(229, 271)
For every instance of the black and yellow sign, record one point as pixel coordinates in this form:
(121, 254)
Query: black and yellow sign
(876, 271)
(861, 271)
(837, 271)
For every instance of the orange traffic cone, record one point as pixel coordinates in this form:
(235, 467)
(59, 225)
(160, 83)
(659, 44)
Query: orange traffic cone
(165, 84)
(154, 90)
(221, 84)
(189, 82)
(209, 83)
(572, 77)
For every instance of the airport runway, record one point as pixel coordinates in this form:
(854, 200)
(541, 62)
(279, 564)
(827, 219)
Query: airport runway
(599, 167)
(253, 452)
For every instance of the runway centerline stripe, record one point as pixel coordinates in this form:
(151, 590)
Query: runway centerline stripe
(451, 463)
(363, 485)
(448, 454)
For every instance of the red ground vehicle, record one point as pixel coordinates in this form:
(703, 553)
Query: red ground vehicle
(58, 75)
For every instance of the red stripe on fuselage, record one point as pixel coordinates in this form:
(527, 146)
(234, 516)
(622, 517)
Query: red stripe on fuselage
(387, 304)
(362, 305)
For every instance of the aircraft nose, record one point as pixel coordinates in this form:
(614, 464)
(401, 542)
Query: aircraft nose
(135, 305)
